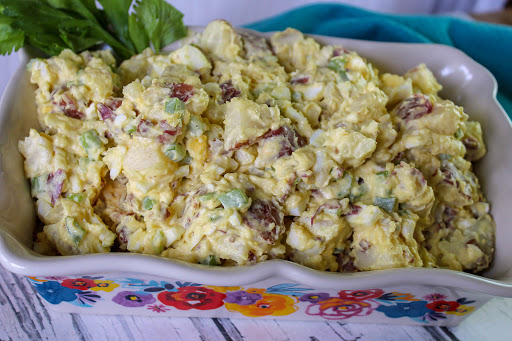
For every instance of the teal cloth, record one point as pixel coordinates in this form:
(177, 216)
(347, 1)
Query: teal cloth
(488, 44)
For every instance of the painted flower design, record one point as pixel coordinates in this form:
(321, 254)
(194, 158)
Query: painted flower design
(461, 310)
(192, 298)
(133, 299)
(104, 285)
(360, 295)
(434, 297)
(314, 297)
(443, 306)
(223, 289)
(242, 297)
(158, 308)
(55, 278)
(268, 305)
(336, 308)
(55, 293)
(79, 283)
(411, 309)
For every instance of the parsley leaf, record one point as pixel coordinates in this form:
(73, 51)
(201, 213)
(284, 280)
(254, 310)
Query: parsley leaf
(162, 22)
(10, 38)
(55, 25)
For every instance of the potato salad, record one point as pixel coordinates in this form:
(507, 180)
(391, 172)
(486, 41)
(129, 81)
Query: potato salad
(234, 149)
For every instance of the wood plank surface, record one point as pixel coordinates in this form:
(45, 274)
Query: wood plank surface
(24, 317)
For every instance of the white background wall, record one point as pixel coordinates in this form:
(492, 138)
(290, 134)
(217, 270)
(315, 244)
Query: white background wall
(239, 12)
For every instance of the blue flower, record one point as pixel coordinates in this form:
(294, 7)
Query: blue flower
(55, 293)
(411, 309)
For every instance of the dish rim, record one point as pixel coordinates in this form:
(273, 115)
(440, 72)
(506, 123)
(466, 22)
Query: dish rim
(17, 258)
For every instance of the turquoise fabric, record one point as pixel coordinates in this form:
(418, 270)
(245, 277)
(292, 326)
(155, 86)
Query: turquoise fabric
(488, 44)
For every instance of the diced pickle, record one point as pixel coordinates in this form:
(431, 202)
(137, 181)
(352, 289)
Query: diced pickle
(387, 204)
(337, 64)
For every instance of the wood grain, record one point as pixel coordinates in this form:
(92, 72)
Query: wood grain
(24, 317)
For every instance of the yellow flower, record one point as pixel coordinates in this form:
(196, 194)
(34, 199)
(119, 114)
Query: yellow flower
(461, 310)
(37, 279)
(269, 304)
(403, 296)
(223, 289)
(104, 285)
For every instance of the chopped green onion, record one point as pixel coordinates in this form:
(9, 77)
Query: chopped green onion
(206, 197)
(174, 105)
(211, 260)
(196, 126)
(76, 197)
(337, 64)
(234, 198)
(387, 204)
(158, 243)
(459, 134)
(75, 231)
(90, 141)
(175, 152)
(147, 203)
(384, 173)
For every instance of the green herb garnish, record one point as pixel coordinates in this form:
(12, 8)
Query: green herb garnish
(54, 25)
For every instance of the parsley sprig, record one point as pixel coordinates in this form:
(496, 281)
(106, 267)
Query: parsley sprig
(51, 26)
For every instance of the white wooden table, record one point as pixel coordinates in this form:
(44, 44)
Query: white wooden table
(24, 317)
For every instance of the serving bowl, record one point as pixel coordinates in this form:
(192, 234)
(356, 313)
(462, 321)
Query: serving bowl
(123, 283)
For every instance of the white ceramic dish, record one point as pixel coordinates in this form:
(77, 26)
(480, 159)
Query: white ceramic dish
(140, 284)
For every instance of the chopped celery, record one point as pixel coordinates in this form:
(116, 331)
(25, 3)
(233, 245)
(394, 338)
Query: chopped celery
(130, 130)
(158, 243)
(90, 141)
(383, 173)
(215, 218)
(206, 197)
(387, 204)
(234, 198)
(35, 184)
(211, 260)
(196, 126)
(76, 197)
(174, 105)
(444, 157)
(147, 203)
(187, 160)
(345, 185)
(337, 64)
(75, 231)
(459, 134)
(175, 152)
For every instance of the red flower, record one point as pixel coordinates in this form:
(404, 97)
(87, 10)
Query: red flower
(360, 295)
(192, 298)
(441, 306)
(78, 283)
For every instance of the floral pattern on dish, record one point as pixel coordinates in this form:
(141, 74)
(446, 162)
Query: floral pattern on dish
(165, 297)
